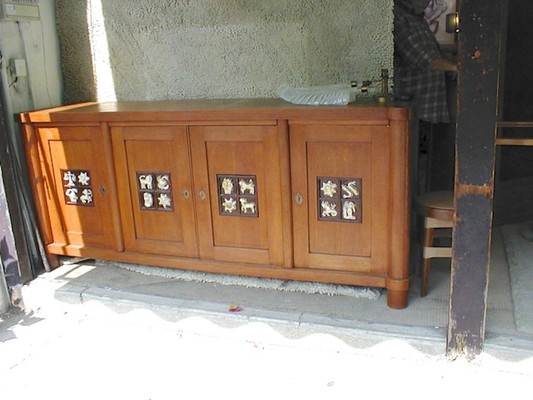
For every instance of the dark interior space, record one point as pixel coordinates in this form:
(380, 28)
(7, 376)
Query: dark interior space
(514, 167)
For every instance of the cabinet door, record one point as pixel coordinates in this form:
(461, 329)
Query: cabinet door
(81, 198)
(238, 192)
(154, 182)
(341, 195)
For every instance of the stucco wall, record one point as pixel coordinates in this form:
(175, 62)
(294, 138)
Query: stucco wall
(172, 49)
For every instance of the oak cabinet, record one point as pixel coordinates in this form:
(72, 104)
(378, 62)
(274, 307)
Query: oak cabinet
(340, 176)
(238, 193)
(154, 181)
(255, 187)
(228, 209)
(76, 188)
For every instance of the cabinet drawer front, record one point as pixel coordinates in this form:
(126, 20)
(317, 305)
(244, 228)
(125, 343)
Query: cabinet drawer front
(154, 182)
(237, 180)
(341, 174)
(81, 197)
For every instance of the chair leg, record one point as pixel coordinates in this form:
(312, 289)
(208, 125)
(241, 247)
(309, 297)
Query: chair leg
(428, 242)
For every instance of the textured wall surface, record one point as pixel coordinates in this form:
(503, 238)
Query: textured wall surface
(173, 49)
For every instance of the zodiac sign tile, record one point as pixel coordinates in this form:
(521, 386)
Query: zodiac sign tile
(77, 188)
(155, 191)
(339, 199)
(237, 195)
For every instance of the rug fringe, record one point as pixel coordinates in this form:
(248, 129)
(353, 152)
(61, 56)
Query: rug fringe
(252, 282)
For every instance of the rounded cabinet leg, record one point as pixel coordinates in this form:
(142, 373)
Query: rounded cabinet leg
(397, 299)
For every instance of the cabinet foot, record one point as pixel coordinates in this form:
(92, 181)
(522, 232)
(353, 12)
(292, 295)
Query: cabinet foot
(53, 261)
(397, 299)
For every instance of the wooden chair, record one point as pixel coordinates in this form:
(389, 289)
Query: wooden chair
(437, 208)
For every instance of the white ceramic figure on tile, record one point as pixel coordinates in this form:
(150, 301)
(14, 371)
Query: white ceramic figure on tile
(148, 199)
(329, 188)
(348, 210)
(227, 186)
(328, 209)
(350, 190)
(230, 205)
(70, 178)
(247, 206)
(72, 195)
(163, 182)
(83, 178)
(247, 186)
(86, 196)
(164, 201)
(146, 181)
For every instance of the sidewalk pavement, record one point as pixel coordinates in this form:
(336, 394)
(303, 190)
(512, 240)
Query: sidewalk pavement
(98, 343)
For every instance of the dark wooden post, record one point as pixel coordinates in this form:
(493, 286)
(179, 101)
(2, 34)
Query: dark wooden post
(478, 56)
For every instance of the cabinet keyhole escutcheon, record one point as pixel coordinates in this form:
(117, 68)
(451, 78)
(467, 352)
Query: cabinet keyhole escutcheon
(186, 194)
(299, 199)
(202, 195)
(101, 189)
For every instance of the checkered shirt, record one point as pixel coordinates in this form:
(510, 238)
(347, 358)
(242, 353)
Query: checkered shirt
(414, 50)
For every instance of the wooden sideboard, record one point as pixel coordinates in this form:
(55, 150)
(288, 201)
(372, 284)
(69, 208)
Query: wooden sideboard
(256, 187)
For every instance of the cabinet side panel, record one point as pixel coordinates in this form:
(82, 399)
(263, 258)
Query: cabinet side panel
(35, 157)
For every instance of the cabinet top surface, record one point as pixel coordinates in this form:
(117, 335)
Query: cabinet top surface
(214, 109)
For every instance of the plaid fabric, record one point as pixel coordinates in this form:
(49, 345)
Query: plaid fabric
(415, 49)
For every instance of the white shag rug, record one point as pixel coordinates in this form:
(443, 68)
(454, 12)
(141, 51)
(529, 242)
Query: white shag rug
(518, 239)
(251, 282)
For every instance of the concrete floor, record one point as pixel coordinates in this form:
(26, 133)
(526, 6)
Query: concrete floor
(105, 332)
(424, 317)
(109, 349)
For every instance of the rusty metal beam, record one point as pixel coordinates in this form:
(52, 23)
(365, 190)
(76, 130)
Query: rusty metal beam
(478, 56)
